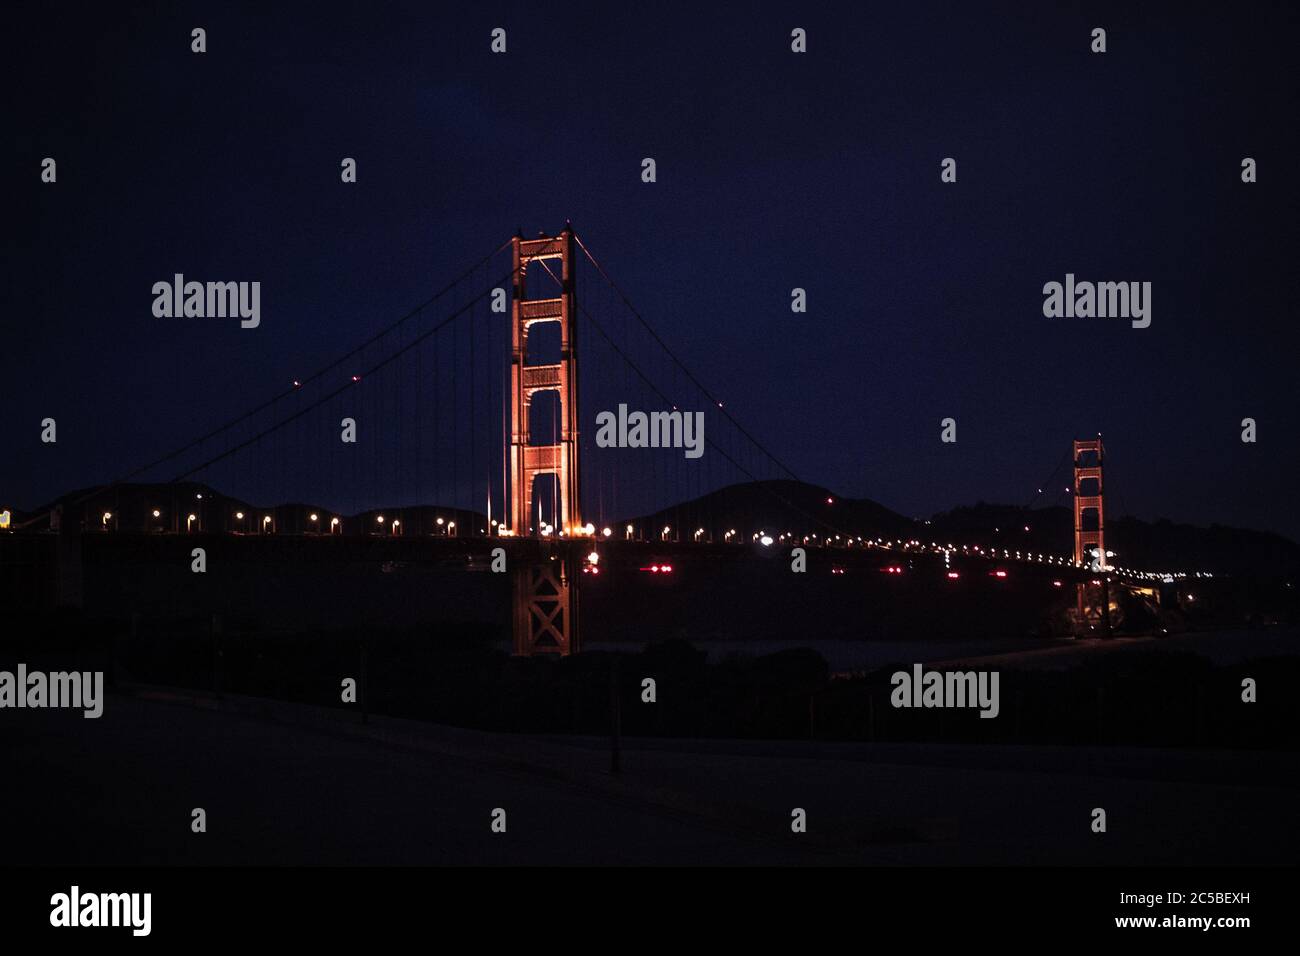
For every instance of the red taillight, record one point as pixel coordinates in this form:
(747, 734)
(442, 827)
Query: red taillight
(953, 575)
(999, 574)
(1056, 584)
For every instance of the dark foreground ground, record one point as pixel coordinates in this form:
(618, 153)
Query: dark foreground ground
(289, 783)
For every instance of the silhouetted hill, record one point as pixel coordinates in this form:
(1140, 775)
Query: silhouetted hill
(1156, 546)
(132, 508)
(803, 509)
(778, 507)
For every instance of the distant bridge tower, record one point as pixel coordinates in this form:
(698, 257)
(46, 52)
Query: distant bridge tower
(528, 461)
(545, 587)
(1093, 598)
(1086, 470)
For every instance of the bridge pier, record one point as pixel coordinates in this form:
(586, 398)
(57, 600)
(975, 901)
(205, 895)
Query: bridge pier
(1093, 608)
(545, 598)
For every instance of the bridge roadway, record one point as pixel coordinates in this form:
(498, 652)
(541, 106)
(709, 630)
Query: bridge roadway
(715, 591)
(475, 553)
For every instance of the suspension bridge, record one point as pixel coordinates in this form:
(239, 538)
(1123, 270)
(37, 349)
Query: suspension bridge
(471, 401)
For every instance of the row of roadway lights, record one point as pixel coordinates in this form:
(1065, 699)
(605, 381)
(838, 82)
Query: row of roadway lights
(548, 530)
(629, 532)
(395, 526)
(762, 537)
(192, 519)
(589, 530)
(765, 539)
(268, 522)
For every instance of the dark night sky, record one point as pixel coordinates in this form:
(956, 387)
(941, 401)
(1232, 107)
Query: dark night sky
(775, 171)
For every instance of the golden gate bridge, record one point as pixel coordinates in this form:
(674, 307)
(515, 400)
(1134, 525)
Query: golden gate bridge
(450, 403)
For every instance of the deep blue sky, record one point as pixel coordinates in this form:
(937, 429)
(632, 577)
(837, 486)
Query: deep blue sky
(775, 170)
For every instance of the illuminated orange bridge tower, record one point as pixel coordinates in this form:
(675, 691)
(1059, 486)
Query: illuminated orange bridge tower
(560, 458)
(1087, 500)
(545, 595)
(1089, 542)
